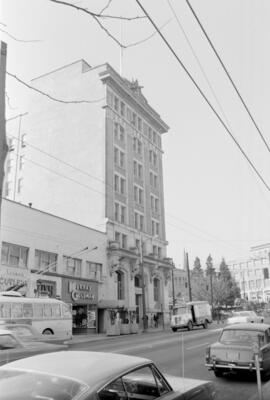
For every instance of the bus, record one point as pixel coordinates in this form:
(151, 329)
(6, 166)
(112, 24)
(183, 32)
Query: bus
(49, 316)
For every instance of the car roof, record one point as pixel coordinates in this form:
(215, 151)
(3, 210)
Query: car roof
(248, 326)
(93, 368)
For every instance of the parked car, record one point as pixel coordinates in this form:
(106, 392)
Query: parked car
(234, 350)
(244, 316)
(27, 333)
(93, 375)
(12, 348)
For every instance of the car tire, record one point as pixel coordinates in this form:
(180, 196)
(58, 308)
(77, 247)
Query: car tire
(190, 326)
(47, 332)
(174, 329)
(218, 373)
(205, 324)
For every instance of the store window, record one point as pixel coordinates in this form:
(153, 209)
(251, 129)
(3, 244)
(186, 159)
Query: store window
(93, 270)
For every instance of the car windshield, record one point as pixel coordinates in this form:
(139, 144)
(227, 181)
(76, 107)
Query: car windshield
(25, 385)
(243, 313)
(240, 336)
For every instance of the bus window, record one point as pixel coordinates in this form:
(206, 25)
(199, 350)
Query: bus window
(16, 310)
(47, 310)
(66, 310)
(5, 310)
(38, 310)
(28, 310)
(56, 311)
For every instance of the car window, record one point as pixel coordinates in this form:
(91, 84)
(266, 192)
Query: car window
(8, 342)
(21, 331)
(24, 385)
(142, 384)
(240, 336)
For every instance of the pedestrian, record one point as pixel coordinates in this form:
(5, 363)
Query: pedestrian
(155, 320)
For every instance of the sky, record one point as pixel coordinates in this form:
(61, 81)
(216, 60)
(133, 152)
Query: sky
(214, 202)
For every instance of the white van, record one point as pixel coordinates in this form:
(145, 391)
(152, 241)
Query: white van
(193, 313)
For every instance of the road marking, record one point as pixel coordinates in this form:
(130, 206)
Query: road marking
(198, 345)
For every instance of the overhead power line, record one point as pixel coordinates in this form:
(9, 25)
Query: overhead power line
(228, 75)
(204, 97)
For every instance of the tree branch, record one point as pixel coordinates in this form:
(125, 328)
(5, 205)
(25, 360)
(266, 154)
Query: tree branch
(97, 15)
(52, 97)
(105, 8)
(18, 40)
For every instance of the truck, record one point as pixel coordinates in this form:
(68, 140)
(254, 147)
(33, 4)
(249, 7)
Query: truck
(190, 314)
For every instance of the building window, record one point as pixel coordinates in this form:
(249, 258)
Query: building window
(139, 171)
(141, 223)
(115, 130)
(121, 133)
(72, 266)
(154, 137)
(122, 186)
(93, 270)
(45, 260)
(14, 255)
(117, 237)
(153, 228)
(156, 205)
(140, 196)
(122, 159)
(116, 183)
(123, 215)
(9, 165)
(134, 119)
(156, 284)
(8, 189)
(139, 124)
(155, 181)
(137, 220)
(150, 156)
(110, 98)
(159, 252)
(120, 285)
(157, 228)
(20, 181)
(150, 133)
(139, 147)
(116, 156)
(122, 109)
(136, 194)
(116, 212)
(124, 241)
(21, 162)
(116, 103)
(137, 281)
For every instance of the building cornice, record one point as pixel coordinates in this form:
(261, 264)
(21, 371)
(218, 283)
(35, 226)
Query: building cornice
(109, 75)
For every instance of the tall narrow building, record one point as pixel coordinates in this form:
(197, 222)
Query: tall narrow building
(95, 158)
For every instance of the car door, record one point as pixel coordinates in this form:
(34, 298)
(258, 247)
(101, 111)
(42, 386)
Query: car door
(10, 349)
(266, 350)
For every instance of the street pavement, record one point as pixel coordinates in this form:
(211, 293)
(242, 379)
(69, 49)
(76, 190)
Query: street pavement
(181, 354)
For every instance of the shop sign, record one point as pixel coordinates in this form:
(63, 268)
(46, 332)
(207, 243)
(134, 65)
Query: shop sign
(81, 291)
(10, 276)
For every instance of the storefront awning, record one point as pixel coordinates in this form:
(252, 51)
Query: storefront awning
(103, 303)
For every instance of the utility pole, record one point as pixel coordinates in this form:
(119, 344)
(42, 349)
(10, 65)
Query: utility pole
(188, 275)
(143, 287)
(3, 138)
(173, 292)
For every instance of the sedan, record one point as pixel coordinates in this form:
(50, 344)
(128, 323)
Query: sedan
(244, 316)
(235, 349)
(27, 333)
(12, 348)
(84, 375)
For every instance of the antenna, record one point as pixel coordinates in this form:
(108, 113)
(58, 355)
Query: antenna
(121, 48)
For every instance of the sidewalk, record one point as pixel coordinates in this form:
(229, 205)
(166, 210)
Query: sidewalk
(94, 337)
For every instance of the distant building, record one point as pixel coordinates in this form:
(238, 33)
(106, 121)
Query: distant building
(98, 164)
(252, 275)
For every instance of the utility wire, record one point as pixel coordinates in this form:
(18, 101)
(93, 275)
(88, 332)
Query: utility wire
(204, 97)
(228, 75)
